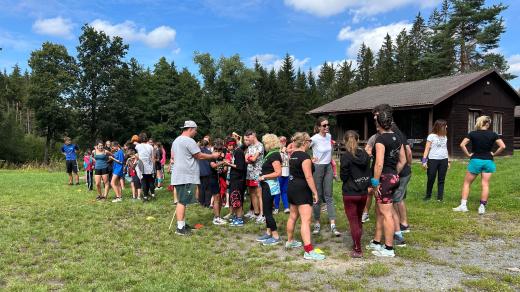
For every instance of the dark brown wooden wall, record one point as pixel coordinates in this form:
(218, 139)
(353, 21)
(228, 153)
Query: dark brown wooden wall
(488, 98)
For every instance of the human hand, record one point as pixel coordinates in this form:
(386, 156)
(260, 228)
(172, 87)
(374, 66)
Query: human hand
(425, 165)
(315, 198)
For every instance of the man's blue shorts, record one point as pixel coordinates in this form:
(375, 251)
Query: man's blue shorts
(478, 166)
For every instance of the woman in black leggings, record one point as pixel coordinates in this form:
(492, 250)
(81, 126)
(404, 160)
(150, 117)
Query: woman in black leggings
(435, 159)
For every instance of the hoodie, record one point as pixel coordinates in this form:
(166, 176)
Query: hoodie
(355, 173)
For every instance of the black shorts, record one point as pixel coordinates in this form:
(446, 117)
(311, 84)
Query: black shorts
(158, 166)
(102, 171)
(136, 181)
(236, 191)
(298, 192)
(72, 166)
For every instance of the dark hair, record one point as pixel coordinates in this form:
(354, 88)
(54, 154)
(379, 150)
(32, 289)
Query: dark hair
(99, 142)
(143, 137)
(249, 133)
(385, 119)
(231, 140)
(351, 139)
(384, 107)
(115, 144)
(218, 144)
(318, 123)
(439, 127)
(159, 144)
(204, 143)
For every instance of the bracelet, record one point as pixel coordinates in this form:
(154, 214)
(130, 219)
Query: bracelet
(424, 160)
(374, 182)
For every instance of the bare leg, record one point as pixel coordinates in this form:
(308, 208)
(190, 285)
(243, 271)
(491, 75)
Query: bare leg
(97, 178)
(107, 185)
(305, 212)
(388, 223)
(485, 186)
(379, 224)
(291, 221)
(468, 180)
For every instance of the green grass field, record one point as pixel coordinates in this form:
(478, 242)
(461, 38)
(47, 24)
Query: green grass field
(56, 237)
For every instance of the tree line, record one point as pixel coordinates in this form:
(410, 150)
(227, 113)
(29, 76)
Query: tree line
(100, 94)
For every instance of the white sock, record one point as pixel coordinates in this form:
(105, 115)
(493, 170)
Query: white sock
(332, 226)
(180, 224)
(463, 202)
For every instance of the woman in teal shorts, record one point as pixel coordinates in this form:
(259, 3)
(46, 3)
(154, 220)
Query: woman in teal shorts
(481, 161)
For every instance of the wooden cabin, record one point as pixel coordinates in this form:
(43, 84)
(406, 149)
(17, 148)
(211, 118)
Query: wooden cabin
(459, 99)
(517, 127)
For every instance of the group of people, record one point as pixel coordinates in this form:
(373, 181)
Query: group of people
(298, 172)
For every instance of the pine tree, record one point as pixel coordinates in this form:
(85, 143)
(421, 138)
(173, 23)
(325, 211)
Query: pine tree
(365, 71)
(418, 46)
(385, 67)
(439, 59)
(327, 82)
(402, 57)
(345, 79)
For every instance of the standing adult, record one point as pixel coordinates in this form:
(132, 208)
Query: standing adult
(302, 195)
(389, 160)
(283, 179)
(69, 150)
(254, 157)
(117, 171)
(159, 171)
(101, 157)
(481, 161)
(185, 171)
(323, 175)
(108, 147)
(237, 181)
(218, 173)
(355, 175)
(436, 159)
(205, 189)
(146, 155)
(271, 171)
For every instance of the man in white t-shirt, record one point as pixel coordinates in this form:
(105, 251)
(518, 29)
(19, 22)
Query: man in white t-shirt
(185, 171)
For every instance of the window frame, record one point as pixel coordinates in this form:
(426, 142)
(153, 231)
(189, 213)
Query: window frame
(473, 115)
(498, 124)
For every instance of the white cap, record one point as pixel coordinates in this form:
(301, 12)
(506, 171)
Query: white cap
(189, 124)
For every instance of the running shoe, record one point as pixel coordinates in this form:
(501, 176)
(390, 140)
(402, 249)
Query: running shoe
(374, 246)
(460, 208)
(263, 237)
(99, 198)
(387, 253)
(365, 218)
(158, 188)
(404, 229)
(335, 231)
(260, 220)
(316, 229)
(313, 255)
(249, 215)
(286, 211)
(271, 241)
(482, 209)
(183, 231)
(399, 241)
(275, 211)
(356, 254)
(218, 221)
(117, 200)
(238, 222)
(226, 206)
(293, 244)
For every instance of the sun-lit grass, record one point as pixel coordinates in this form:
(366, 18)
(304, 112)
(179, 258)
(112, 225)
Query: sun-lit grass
(53, 236)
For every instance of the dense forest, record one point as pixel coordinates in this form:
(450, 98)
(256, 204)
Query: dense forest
(101, 94)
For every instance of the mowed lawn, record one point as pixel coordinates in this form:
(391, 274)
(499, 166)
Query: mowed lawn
(54, 236)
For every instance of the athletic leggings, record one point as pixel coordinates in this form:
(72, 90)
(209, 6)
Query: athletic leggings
(284, 184)
(148, 184)
(90, 179)
(439, 168)
(267, 203)
(323, 178)
(354, 206)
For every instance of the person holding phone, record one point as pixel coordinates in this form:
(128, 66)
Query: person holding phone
(302, 195)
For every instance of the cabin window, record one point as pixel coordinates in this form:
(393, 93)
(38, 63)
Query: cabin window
(497, 123)
(472, 119)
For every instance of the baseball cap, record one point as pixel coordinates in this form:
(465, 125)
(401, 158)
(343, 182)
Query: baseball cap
(189, 124)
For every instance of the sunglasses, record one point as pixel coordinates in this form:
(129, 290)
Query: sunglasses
(325, 126)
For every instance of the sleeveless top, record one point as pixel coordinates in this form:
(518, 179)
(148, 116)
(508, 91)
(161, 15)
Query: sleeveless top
(101, 160)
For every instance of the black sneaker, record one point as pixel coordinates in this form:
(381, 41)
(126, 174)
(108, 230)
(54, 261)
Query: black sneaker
(188, 226)
(183, 232)
(399, 241)
(404, 229)
(146, 199)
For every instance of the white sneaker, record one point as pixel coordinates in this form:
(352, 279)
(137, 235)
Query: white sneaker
(383, 252)
(249, 215)
(373, 246)
(260, 220)
(365, 218)
(117, 200)
(482, 209)
(461, 208)
(275, 211)
(218, 221)
(287, 211)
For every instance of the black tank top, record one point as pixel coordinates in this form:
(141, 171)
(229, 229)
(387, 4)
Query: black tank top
(295, 164)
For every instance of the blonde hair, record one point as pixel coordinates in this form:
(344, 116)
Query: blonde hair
(270, 142)
(482, 121)
(300, 138)
(351, 139)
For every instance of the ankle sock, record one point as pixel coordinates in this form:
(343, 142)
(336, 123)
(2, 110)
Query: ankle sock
(308, 248)
(463, 202)
(376, 242)
(332, 226)
(483, 202)
(181, 224)
(389, 247)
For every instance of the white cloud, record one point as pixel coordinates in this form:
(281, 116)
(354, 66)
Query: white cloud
(324, 8)
(273, 61)
(57, 26)
(514, 64)
(372, 37)
(160, 37)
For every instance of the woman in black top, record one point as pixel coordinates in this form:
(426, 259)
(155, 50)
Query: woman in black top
(389, 161)
(271, 170)
(481, 161)
(302, 194)
(355, 174)
(237, 180)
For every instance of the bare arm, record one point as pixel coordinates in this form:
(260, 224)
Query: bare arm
(307, 171)
(368, 149)
(380, 159)
(464, 148)
(402, 159)
(277, 171)
(427, 148)
(501, 147)
(204, 156)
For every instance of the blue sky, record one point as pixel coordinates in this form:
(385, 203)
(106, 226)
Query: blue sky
(312, 31)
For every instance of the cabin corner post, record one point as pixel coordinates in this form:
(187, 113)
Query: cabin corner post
(365, 128)
(430, 120)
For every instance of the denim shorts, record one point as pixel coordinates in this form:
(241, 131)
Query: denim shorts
(478, 166)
